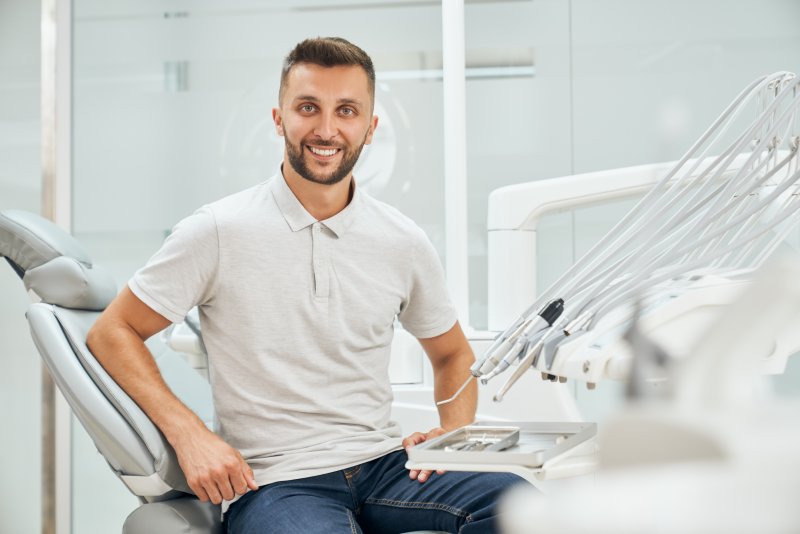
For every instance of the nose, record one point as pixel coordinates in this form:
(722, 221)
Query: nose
(326, 128)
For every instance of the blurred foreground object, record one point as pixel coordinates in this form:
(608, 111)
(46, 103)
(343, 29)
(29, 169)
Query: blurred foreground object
(717, 454)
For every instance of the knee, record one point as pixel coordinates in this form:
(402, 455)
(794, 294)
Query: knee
(497, 484)
(279, 510)
(485, 506)
(256, 513)
(241, 515)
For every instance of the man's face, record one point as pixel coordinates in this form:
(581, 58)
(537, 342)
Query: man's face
(325, 116)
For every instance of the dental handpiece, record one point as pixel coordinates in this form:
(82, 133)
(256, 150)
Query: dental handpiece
(521, 369)
(510, 346)
(488, 361)
(515, 353)
(501, 345)
(536, 328)
(515, 343)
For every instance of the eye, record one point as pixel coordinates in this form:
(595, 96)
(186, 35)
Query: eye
(347, 112)
(307, 108)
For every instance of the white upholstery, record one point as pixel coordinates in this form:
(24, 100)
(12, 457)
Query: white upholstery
(73, 291)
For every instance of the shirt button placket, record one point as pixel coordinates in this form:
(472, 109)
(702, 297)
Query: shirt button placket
(320, 262)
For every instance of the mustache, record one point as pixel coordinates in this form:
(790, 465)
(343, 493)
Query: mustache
(323, 143)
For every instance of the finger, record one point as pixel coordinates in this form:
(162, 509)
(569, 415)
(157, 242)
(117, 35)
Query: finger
(436, 432)
(413, 439)
(423, 476)
(213, 492)
(249, 477)
(413, 474)
(226, 488)
(201, 494)
(242, 479)
(237, 477)
(239, 483)
(441, 471)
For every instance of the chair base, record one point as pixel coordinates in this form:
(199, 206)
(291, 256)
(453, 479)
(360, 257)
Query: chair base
(183, 515)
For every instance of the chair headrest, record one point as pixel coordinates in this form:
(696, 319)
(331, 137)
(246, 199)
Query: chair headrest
(52, 263)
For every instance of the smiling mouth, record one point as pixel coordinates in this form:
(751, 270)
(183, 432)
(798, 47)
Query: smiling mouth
(324, 152)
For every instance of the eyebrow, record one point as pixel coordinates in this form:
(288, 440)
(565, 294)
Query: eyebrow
(341, 101)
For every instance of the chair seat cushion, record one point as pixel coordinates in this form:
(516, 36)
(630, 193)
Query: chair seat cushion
(184, 515)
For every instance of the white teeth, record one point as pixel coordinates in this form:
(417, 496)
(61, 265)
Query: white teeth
(320, 152)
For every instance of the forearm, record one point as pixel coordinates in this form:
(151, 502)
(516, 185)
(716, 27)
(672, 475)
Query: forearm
(123, 354)
(449, 375)
(214, 470)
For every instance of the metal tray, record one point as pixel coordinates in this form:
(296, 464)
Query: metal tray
(527, 444)
(481, 438)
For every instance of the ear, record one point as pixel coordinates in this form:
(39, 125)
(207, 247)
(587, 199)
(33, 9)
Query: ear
(278, 120)
(373, 123)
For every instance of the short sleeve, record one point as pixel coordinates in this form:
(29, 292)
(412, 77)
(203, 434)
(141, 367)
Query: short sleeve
(427, 311)
(183, 273)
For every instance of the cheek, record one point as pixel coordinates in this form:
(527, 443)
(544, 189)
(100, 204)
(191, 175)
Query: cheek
(294, 128)
(359, 135)
(291, 134)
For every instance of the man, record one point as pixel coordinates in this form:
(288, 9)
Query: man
(299, 281)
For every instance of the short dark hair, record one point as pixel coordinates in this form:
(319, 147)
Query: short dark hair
(328, 52)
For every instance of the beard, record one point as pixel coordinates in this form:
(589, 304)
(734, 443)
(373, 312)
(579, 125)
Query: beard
(297, 159)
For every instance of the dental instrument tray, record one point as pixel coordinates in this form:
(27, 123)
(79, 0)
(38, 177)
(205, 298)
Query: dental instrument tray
(527, 444)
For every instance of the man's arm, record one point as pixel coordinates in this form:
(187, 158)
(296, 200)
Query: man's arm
(451, 357)
(213, 469)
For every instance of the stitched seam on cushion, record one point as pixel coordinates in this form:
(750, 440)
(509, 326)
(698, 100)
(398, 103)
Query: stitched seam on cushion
(420, 505)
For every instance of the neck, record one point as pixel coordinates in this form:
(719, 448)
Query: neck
(320, 200)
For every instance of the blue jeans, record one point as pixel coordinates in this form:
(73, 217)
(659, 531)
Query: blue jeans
(374, 497)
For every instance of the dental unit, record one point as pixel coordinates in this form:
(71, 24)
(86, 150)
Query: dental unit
(706, 225)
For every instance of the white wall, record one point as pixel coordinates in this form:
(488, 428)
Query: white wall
(20, 447)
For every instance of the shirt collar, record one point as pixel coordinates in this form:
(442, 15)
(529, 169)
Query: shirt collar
(298, 218)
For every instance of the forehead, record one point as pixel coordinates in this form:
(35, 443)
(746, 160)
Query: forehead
(342, 82)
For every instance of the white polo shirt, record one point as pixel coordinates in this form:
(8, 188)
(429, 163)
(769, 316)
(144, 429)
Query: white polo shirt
(297, 318)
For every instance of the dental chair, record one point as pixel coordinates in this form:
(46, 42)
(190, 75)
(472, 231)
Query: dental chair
(73, 292)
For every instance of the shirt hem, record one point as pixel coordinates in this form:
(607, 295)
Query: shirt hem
(257, 474)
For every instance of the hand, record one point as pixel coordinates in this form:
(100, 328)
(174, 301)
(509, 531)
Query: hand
(415, 439)
(213, 469)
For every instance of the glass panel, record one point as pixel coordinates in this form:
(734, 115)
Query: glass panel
(173, 109)
(650, 77)
(20, 146)
(518, 111)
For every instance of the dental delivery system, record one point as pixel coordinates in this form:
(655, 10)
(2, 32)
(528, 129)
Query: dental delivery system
(713, 219)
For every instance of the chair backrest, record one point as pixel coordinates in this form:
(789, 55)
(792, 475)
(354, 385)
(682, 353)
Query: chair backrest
(73, 292)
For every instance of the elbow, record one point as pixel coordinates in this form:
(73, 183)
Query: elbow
(92, 338)
(95, 337)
